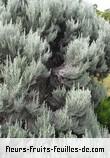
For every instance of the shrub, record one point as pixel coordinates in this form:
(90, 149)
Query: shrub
(50, 51)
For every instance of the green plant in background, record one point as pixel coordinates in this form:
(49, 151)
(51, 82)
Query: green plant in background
(105, 14)
(103, 113)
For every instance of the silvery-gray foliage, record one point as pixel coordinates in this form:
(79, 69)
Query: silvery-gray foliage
(50, 51)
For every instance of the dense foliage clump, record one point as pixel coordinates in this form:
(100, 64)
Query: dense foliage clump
(50, 52)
